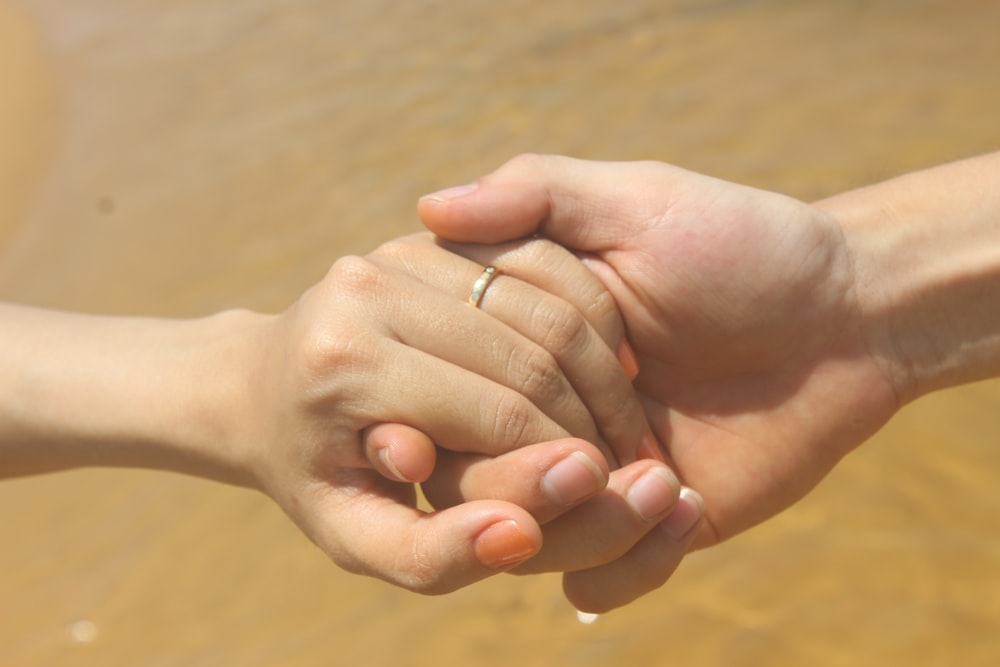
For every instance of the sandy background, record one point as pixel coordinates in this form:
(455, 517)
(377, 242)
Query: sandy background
(175, 157)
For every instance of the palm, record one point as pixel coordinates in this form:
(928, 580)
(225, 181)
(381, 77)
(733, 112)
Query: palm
(754, 369)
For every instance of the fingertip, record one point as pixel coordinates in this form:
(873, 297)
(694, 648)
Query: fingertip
(442, 213)
(437, 210)
(628, 359)
(649, 447)
(686, 515)
(486, 211)
(643, 569)
(574, 478)
(654, 494)
(448, 194)
(583, 600)
(400, 452)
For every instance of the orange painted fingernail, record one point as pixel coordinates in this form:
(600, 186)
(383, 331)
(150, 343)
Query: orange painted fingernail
(649, 448)
(628, 360)
(504, 544)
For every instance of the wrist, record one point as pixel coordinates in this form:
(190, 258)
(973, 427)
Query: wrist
(206, 422)
(125, 392)
(926, 253)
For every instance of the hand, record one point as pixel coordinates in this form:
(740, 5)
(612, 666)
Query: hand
(757, 370)
(642, 522)
(386, 350)
(325, 408)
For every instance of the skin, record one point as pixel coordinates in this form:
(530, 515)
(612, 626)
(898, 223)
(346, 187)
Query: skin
(773, 336)
(336, 407)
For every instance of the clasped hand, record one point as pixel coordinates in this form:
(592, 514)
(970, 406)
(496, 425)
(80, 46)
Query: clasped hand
(651, 331)
(518, 418)
(758, 367)
(761, 365)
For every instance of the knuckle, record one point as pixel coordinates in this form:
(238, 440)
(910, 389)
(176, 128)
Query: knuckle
(337, 342)
(511, 424)
(319, 349)
(622, 418)
(558, 327)
(538, 251)
(602, 309)
(402, 249)
(527, 163)
(421, 574)
(323, 350)
(597, 304)
(426, 583)
(417, 574)
(390, 250)
(536, 373)
(354, 275)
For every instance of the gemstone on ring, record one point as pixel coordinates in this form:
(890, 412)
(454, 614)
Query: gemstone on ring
(482, 282)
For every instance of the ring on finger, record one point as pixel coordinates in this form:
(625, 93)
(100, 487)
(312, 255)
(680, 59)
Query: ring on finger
(482, 282)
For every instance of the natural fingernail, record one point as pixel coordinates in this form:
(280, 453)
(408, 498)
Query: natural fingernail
(649, 448)
(654, 493)
(386, 459)
(628, 360)
(504, 544)
(451, 193)
(689, 510)
(573, 479)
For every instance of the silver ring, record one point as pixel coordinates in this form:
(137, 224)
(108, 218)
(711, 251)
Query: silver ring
(482, 282)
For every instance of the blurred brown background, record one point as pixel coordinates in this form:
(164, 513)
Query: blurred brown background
(175, 157)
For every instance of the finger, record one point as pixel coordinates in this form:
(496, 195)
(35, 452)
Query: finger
(401, 354)
(458, 409)
(643, 569)
(577, 203)
(609, 525)
(555, 270)
(399, 452)
(561, 327)
(600, 374)
(546, 479)
(445, 327)
(369, 532)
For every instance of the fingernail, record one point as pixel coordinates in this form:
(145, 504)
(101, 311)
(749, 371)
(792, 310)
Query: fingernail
(690, 508)
(383, 455)
(504, 544)
(573, 479)
(628, 360)
(649, 448)
(453, 192)
(654, 493)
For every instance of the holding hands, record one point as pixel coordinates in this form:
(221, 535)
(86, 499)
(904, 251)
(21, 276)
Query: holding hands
(773, 336)
(385, 359)
(715, 336)
(757, 371)
(379, 377)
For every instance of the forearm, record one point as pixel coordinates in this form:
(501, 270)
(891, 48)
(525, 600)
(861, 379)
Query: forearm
(82, 390)
(926, 248)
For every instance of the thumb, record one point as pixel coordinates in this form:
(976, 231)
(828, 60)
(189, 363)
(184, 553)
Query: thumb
(576, 203)
(429, 553)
